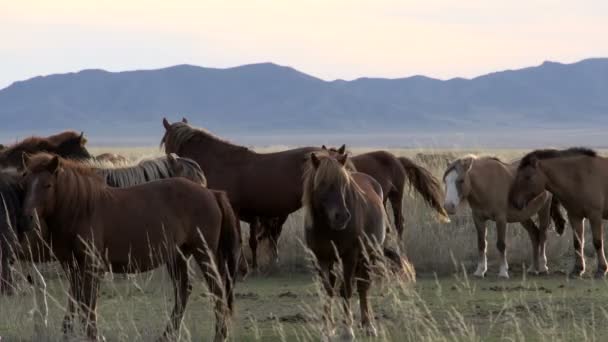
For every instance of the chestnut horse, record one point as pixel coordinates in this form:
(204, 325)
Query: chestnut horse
(345, 222)
(67, 144)
(577, 177)
(92, 227)
(484, 183)
(144, 171)
(259, 185)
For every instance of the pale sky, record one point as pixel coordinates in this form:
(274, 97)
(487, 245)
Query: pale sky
(329, 39)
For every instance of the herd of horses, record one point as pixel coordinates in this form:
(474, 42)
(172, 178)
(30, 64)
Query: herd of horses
(99, 214)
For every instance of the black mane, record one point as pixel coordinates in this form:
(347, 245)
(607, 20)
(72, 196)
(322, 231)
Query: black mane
(553, 153)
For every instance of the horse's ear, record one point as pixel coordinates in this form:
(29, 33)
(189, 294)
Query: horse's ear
(342, 149)
(82, 139)
(342, 158)
(25, 160)
(323, 147)
(172, 158)
(166, 124)
(53, 165)
(2, 147)
(184, 120)
(315, 160)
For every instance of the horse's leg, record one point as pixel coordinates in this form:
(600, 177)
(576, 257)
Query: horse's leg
(328, 279)
(396, 198)
(363, 285)
(213, 277)
(73, 296)
(275, 233)
(578, 238)
(482, 261)
(178, 272)
(501, 244)
(544, 222)
(88, 302)
(253, 242)
(349, 266)
(597, 229)
(533, 233)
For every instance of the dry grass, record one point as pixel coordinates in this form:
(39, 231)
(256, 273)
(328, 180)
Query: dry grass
(444, 304)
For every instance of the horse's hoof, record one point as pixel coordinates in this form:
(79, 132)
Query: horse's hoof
(479, 274)
(600, 274)
(370, 330)
(576, 274)
(503, 275)
(347, 335)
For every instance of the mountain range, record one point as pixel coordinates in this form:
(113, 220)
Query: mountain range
(266, 99)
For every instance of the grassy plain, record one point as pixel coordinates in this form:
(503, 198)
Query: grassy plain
(283, 303)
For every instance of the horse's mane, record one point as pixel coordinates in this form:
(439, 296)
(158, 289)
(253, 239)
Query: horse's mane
(474, 157)
(44, 143)
(553, 153)
(329, 171)
(78, 187)
(181, 133)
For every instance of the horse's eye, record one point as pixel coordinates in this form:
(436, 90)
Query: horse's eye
(48, 186)
(460, 181)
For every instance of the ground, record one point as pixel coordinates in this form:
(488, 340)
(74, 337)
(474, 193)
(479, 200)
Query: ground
(287, 308)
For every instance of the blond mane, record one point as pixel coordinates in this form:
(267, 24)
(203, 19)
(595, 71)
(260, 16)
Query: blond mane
(328, 171)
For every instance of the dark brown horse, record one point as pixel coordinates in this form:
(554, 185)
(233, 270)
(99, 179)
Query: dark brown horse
(69, 144)
(92, 227)
(392, 173)
(259, 185)
(577, 177)
(345, 222)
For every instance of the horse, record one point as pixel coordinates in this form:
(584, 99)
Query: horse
(577, 177)
(144, 171)
(112, 158)
(243, 174)
(68, 144)
(93, 227)
(484, 183)
(345, 222)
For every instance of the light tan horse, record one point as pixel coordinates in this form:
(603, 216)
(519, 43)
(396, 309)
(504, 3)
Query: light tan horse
(484, 183)
(578, 178)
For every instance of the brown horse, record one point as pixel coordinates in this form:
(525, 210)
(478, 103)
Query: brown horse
(392, 173)
(484, 183)
(577, 177)
(92, 227)
(69, 144)
(111, 158)
(243, 174)
(345, 222)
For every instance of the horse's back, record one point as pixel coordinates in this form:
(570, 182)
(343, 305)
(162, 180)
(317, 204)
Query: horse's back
(384, 167)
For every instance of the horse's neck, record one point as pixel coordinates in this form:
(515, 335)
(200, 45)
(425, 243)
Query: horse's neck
(220, 152)
(560, 173)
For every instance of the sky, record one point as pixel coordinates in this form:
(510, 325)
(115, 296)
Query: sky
(329, 39)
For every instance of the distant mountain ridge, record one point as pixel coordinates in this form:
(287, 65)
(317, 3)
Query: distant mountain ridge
(269, 98)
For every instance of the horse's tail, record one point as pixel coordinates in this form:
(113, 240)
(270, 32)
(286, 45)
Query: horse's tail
(556, 216)
(230, 246)
(427, 186)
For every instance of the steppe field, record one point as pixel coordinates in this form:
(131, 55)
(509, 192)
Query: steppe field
(283, 302)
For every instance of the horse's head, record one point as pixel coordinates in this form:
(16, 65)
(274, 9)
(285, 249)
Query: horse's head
(39, 183)
(330, 183)
(457, 182)
(529, 183)
(186, 168)
(71, 146)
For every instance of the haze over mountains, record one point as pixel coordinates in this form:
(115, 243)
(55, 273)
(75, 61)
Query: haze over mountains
(271, 100)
